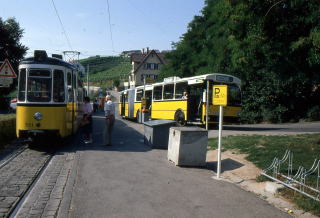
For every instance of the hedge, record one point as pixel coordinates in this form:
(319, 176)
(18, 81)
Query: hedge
(7, 129)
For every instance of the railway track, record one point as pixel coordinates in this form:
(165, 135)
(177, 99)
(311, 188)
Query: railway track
(18, 173)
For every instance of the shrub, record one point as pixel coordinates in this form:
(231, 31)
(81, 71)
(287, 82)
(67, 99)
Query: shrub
(8, 130)
(314, 113)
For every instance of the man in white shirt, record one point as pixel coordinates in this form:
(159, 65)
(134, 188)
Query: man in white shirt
(110, 118)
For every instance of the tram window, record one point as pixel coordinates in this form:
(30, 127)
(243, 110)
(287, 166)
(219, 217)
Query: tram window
(39, 87)
(139, 94)
(74, 81)
(157, 93)
(69, 81)
(58, 86)
(70, 94)
(181, 88)
(168, 91)
(22, 85)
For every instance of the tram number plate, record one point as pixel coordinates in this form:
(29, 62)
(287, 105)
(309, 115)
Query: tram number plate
(29, 124)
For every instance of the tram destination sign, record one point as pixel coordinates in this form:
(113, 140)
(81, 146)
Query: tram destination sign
(220, 95)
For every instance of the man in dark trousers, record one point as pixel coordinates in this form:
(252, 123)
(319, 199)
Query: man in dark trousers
(109, 109)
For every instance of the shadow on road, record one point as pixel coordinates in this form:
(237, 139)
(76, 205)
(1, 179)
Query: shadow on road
(124, 138)
(226, 165)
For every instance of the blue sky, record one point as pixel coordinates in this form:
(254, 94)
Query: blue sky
(135, 24)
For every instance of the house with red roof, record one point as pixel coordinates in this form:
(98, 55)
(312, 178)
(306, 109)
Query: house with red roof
(146, 66)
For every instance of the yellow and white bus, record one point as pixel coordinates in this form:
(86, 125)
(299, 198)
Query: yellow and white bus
(182, 99)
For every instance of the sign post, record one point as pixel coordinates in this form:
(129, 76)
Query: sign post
(220, 98)
(6, 74)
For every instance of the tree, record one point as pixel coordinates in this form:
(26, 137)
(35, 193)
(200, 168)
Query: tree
(116, 83)
(273, 46)
(10, 46)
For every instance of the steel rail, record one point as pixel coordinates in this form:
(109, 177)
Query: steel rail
(291, 187)
(17, 205)
(13, 155)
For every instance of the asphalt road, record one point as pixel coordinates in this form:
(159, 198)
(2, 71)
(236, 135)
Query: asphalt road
(131, 180)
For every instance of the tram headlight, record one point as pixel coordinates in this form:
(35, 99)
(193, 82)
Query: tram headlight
(37, 116)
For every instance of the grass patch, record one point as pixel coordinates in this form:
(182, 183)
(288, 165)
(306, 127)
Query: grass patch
(7, 116)
(262, 149)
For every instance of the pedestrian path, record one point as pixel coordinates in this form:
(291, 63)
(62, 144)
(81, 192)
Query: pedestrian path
(129, 179)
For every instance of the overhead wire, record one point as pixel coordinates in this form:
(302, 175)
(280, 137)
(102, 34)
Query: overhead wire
(108, 10)
(63, 29)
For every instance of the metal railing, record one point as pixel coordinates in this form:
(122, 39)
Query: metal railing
(305, 181)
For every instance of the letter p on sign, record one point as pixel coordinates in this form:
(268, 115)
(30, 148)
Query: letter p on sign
(220, 96)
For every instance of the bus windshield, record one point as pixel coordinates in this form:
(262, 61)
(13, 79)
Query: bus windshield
(39, 85)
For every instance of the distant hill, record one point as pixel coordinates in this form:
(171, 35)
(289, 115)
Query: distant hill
(104, 70)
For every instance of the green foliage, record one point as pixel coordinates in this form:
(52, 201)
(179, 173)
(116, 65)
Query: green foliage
(116, 83)
(8, 128)
(10, 46)
(273, 46)
(104, 71)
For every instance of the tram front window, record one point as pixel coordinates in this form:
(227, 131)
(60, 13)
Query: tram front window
(22, 85)
(39, 86)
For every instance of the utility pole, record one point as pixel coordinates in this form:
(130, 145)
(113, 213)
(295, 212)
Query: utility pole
(88, 80)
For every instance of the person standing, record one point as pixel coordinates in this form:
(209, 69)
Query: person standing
(87, 120)
(109, 109)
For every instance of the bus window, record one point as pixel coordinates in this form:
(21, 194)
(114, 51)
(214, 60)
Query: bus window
(180, 89)
(22, 85)
(58, 86)
(139, 94)
(157, 93)
(168, 91)
(234, 95)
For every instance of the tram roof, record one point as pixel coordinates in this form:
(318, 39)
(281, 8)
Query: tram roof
(48, 61)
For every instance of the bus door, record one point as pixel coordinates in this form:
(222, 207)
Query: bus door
(195, 101)
(123, 104)
(148, 96)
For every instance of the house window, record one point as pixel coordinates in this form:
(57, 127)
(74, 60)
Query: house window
(148, 66)
(156, 66)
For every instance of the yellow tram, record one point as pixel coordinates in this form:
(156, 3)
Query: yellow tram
(182, 99)
(50, 94)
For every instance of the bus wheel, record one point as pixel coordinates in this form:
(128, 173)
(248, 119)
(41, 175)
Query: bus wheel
(180, 118)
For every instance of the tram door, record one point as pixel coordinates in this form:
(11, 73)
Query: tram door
(195, 102)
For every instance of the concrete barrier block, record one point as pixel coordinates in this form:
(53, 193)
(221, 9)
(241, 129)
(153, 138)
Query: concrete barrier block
(156, 133)
(187, 146)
